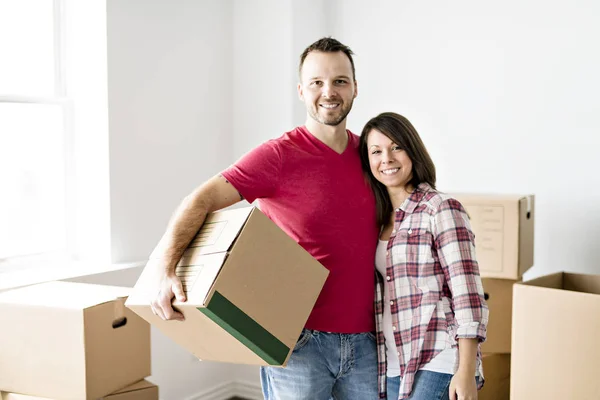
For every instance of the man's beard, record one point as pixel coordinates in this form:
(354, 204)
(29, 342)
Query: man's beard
(332, 120)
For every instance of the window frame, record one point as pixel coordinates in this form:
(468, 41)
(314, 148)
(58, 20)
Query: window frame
(61, 99)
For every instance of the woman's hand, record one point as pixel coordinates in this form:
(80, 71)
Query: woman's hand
(463, 386)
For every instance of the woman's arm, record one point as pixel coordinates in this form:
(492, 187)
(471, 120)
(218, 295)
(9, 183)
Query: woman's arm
(467, 356)
(455, 245)
(463, 385)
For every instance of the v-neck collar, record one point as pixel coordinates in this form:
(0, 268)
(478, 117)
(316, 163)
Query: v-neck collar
(313, 139)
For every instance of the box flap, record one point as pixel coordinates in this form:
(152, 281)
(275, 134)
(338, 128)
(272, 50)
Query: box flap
(569, 281)
(18, 396)
(218, 232)
(489, 197)
(143, 384)
(70, 295)
(526, 233)
(581, 283)
(552, 281)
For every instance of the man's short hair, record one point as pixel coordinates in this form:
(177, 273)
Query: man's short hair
(327, 45)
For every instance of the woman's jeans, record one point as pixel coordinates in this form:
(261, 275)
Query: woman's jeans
(428, 385)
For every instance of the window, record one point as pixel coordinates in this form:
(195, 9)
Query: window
(35, 117)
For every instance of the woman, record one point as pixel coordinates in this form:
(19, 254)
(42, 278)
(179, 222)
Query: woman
(433, 315)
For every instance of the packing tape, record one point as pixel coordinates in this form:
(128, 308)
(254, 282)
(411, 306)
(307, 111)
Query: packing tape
(245, 329)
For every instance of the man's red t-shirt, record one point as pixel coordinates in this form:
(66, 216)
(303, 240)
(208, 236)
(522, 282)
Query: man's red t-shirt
(321, 199)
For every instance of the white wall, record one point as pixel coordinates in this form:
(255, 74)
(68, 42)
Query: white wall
(170, 114)
(262, 104)
(505, 97)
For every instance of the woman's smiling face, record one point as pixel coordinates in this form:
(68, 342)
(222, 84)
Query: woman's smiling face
(389, 163)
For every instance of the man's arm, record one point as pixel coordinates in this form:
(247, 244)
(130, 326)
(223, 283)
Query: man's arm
(213, 195)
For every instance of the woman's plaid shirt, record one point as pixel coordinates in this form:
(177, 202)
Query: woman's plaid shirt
(436, 295)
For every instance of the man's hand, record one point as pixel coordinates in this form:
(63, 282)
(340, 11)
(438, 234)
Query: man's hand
(170, 287)
(215, 194)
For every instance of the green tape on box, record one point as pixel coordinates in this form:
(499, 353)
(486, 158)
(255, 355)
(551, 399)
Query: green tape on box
(249, 332)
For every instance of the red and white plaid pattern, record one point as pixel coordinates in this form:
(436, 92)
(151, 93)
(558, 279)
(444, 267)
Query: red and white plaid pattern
(436, 295)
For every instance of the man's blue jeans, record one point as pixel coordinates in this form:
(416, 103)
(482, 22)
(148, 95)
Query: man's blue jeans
(324, 366)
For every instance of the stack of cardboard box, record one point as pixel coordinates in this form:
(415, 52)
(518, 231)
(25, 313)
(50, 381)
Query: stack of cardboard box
(542, 333)
(504, 229)
(73, 341)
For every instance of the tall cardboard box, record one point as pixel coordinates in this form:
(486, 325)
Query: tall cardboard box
(503, 227)
(70, 341)
(496, 370)
(250, 289)
(142, 390)
(499, 297)
(555, 348)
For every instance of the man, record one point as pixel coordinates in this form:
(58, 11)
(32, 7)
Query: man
(310, 183)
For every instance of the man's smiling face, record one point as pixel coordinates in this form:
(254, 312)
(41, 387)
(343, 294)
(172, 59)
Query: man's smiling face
(327, 86)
